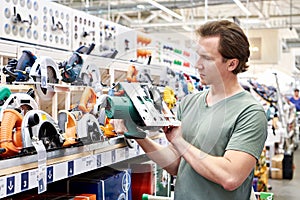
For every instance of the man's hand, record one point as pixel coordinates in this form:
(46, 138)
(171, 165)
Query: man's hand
(119, 126)
(172, 132)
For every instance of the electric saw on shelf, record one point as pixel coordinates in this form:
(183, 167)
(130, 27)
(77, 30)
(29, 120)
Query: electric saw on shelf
(142, 108)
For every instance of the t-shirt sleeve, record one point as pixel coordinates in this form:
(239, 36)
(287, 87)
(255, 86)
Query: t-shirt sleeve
(250, 132)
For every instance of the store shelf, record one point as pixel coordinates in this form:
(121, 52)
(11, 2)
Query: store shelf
(23, 173)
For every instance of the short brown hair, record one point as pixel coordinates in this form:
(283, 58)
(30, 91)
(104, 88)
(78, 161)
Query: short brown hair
(233, 41)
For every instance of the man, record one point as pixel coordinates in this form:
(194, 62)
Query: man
(223, 129)
(295, 99)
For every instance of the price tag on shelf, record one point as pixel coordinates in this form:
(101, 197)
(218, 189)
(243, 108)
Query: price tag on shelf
(89, 162)
(2, 187)
(99, 160)
(33, 178)
(60, 171)
(113, 156)
(85, 164)
(120, 154)
(42, 165)
(126, 152)
(106, 158)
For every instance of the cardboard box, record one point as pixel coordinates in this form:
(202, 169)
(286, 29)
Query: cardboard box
(277, 161)
(276, 173)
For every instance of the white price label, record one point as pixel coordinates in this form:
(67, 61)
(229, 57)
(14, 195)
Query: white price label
(2, 187)
(106, 158)
(42, 172)
(120, 154)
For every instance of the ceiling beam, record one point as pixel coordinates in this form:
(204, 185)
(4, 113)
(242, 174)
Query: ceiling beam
(165, 9)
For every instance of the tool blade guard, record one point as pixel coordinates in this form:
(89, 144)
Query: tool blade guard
(39, 125)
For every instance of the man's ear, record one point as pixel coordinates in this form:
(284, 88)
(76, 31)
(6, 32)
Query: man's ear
(232, 64)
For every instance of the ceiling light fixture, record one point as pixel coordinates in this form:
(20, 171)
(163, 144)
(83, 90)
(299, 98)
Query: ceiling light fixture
(140, 7)
(165, 9)
(242, 7)
(87, 4)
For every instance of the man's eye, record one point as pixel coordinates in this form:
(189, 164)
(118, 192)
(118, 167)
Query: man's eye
(205, 57)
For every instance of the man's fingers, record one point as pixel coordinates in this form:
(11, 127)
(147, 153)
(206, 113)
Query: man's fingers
(167, 129)
(119, 126)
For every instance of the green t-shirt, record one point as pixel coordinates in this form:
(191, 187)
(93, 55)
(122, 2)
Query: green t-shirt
(235, 123)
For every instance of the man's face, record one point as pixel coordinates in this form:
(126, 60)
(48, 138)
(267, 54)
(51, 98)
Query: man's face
(210, 63)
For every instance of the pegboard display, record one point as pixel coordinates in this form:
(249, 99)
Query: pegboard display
(126, 43)
(106, 45)
(21, 20)
(85, 29)
(52, 25)
(36, 22)
(56, 23)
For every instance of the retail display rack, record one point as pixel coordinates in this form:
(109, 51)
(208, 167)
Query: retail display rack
(24, 173)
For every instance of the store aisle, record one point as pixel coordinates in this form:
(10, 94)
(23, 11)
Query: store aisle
(288, 189)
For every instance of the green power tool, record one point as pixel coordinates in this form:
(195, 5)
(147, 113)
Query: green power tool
(142, 108)
(4, 94)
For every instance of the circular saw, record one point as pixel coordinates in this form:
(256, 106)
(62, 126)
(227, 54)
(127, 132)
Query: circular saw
(142, 108)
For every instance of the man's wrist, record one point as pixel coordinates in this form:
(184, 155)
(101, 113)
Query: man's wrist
(180, 145)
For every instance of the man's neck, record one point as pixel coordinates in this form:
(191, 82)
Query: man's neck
(220, 92)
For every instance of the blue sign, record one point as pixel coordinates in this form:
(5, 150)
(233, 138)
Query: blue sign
(10, 185)
(50, 174)
(24, 181)
(71, 168)
(41, 187)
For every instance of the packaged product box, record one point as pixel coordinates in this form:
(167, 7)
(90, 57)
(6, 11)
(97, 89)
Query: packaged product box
(106, 183)
(85, 197)
(276, 173)
(266, 196)
(143, 179)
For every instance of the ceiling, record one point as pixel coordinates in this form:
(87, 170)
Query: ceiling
(170, 16)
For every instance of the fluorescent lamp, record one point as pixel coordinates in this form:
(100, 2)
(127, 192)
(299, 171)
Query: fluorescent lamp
(165, 9)
(242, 7)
